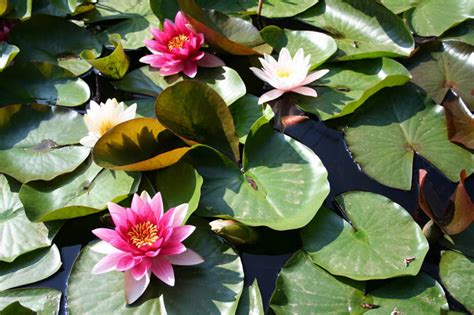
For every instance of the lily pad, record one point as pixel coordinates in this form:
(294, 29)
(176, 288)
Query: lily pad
(115, 65)
(179, 183)
(17, 309)
(146, 80)
(393, 125)
(464, 32)
(277, 8)
(38, 142)
(31, 267)
(399, 6)
(56, 41)
(443, 66)
(281, 183)
(461, 242)
(348, 85)
(319, 45)
(361, 28)
(41, 83)
(434, 17)
(17, 234)
(195, 112)
(456, 272)
(245, 112)
(251, 301)
(44, 301)
(84, 191)
(215, 285)
(379, 245)
(20, 9)
(140, 144)
(134, 19)
(7, 54)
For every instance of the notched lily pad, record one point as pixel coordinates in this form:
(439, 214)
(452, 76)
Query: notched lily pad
(41, 300)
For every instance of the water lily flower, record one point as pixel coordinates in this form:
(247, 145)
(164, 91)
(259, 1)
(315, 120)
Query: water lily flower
(145, 240)
(287, 74)
(5, 28)
(101, 118)
(177, 49)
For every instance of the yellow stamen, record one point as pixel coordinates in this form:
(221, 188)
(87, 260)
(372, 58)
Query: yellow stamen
(144, 233)
(283, 73)
(177, 42)
(105, 126)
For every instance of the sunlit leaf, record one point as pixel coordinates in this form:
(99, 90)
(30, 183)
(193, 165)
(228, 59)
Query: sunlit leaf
(42, 300)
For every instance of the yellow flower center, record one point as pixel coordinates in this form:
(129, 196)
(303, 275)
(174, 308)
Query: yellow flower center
(283, 73)
(144, 233)
(105, 126)
(177, 42)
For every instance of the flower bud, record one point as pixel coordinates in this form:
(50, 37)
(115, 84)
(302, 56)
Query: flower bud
(234, 232)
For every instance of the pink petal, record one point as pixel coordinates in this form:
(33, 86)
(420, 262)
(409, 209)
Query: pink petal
(313, 76)
(190, 69)
(187, 258)
(107, 263)
(180, 22)
(143, 209)
(210, 61)
(105, 234)
(305, 91)
(180, 233)
(174, 216)
(133, 288)
(125, 262)
(168, 27)
(105, 248)
(270, 95)
(139, 270)
(163, 270)
(156, 205)
(172, 248)
(170, 70)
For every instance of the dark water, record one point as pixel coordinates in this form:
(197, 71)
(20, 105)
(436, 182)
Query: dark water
(344, 175)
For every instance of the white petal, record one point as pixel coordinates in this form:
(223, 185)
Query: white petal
(305, 91)
(270, 95)
(313, 76)
(135, 288)
(89, 141)
(103, 247)
(187, 258)
(284, 58)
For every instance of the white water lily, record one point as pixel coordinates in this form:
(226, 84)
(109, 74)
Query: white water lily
(101, 118)
(287, 74)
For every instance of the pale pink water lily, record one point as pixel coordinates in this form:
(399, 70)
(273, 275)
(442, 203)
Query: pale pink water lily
(177, 49)
(146, 240)
(287, 74)
(101, 118)
(5, 28)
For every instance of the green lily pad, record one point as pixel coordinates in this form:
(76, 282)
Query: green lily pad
(464, 32)
(399, 6)
(20, 9)
(44, 301)
(146, 80)
(179, 183)
(17, 309)
(281, 183)
(56, 41)
(361, 28)
(461, 242)
(38, 142)
(245, 112)
(304, 288)
(251, 301)
(456, 272)
(7, 54)
(141, 144)
(319, 45)
(348, 85)
(394, 124)
(31, 267)
(134, 19)
(84, 191)
(434, 17)
(43, 83)
(444, 66)
(277, 8)
(215, 285)
(195, 112)
(17, 234)
(375, 246)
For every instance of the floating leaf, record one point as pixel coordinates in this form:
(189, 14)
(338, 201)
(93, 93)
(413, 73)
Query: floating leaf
(179, 183)
(17, 309)
(44, 301)
(215, 285)
(281, 183)
(17, 234)
(393, 125)
(434, 17)
(361, 28)
(251, 301)
(460, 122)
(399, 6)
(140, 144)
(146, 80)
(38, 142)
(197, 113)
(134, 19)
(7, 54)
(21, 9)
(369, 246)
(31, 267)
(464, 32)
(115, 65)
(56, 41)
(348, 85)
(245, 112)
(319, 45)
(277, 8)
(41, 83)
(461, 242)
(455, 271)
(84, 191)
(443, 66)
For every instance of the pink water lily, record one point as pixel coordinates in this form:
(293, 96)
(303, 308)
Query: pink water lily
(145, 240)
(5, 28)
(177, 49)
(287, 74)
